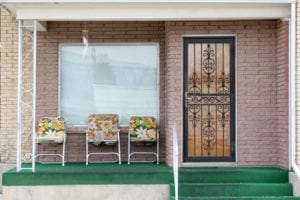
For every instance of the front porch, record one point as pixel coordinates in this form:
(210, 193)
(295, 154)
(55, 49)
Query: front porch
(145, 181)
(244, 122)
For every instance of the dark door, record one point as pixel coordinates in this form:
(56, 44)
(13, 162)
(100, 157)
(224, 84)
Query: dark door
(209, 99)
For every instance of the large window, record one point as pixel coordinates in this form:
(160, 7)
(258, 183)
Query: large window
(108, 78)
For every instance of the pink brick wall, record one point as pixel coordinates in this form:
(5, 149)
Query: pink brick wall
(71, 32)
(261, 81)
(256, 89)
(282, 76)
(8, 86)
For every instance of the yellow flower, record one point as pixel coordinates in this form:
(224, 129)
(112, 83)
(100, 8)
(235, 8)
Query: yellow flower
(151, 134)
(106, 125)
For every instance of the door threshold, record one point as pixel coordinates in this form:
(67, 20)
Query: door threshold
(209, 164)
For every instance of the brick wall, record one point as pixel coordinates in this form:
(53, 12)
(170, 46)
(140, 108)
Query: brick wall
(282, 77)
(8, 86)
(256, 92)
(71, 32)
(261, 81)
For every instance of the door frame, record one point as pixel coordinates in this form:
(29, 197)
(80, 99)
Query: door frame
(233, 133)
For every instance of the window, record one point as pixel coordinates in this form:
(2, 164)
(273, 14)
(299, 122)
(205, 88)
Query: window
(108, 78)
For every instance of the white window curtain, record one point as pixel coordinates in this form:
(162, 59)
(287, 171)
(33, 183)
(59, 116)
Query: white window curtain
(109, 78)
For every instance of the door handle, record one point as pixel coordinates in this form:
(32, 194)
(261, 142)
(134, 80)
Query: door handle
(187, 99)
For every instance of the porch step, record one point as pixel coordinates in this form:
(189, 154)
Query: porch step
(234, 189)
(239, 198)
(233, 175)
(232, 183)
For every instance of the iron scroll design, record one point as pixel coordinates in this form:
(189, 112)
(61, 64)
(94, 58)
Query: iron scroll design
(200, 105)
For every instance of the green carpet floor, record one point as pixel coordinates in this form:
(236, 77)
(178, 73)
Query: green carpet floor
(79, 173)
(226, 183)
(219, 183)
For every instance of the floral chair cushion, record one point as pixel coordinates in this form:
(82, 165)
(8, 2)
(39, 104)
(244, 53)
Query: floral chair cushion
(102, 128)
(51, 130)
(143, 128)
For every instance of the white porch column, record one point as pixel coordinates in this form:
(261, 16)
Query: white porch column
(26, 125)
(34, 41)
(20, 85)
(292, 90)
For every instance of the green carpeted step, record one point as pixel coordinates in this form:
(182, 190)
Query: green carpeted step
(233, 189)
(79, 173)
(233, 175)
(238, 198)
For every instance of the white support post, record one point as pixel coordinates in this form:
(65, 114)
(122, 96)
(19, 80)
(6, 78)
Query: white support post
(292, 90)
(34, 46)
(19, 115)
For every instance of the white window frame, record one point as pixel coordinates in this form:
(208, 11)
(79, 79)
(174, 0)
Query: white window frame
(156, 44)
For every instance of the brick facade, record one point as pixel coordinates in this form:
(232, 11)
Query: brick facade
(8, 86)
(262, 136)
(108, 32)
(258, 108)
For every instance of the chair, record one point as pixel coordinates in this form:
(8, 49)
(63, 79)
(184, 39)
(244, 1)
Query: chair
(52, 130)
(143, 130)
(103, 130)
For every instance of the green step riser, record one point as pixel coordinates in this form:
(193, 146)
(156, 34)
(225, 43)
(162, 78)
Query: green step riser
(234, 190)
(232, 183)
(234, 177)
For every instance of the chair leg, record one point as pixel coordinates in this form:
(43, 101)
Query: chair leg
(86, 151)
(119, 148)
(157, 152)
(64, 151)
(128, 159)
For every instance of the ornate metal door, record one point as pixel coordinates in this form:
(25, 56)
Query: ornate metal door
(209, 99)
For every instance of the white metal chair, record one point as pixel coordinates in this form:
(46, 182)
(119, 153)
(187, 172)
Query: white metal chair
(143, 130)
(103, 130)
(52, 130)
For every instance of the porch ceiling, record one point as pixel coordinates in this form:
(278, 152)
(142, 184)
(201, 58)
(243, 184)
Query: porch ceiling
(156, 10)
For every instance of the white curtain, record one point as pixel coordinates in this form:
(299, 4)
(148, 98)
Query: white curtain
(114, 78)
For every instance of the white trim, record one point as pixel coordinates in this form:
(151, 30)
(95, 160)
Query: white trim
(156, 44)
(145, 1)
(292, 91)
(197, 164)
(150, 11)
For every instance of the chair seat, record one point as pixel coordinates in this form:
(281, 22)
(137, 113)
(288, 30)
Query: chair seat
(103, 130)
(106, 142)
(49, 140)
(142, 140)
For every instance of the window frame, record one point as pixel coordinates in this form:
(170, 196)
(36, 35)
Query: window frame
(156, 44)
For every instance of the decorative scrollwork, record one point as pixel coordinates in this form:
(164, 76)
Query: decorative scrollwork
(194, 117)
(223, 114)
(224, 81)
(208, 101)
(208, 65)
(205, 100)
(209, 133)
(194, 80)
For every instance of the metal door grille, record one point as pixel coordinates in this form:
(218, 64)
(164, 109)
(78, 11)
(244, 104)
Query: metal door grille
(209, 99)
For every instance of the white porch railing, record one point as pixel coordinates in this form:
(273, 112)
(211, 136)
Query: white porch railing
(175, 160)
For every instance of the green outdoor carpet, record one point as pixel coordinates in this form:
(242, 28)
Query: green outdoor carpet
(79, 173)
(209, 183)
(232, 183)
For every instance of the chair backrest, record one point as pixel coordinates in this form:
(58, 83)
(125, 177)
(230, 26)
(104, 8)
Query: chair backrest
(102, 127)
(143, 128)
(51, 130)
